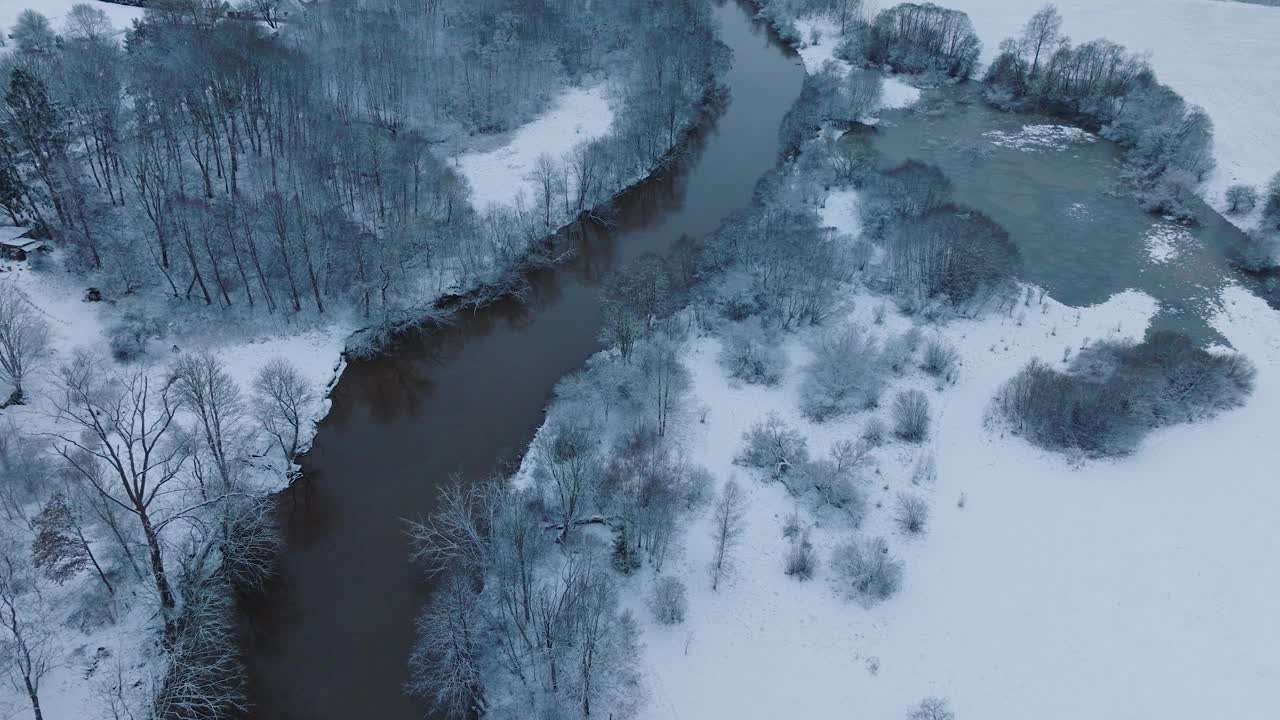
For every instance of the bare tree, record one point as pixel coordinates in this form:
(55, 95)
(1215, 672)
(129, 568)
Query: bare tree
(568, 456)
(457, 534)
(1040, 36)
(283, 401)
(667, 378)
(212, 396)
(30, 655)
(668, 600)
(24, 338)
(447, 658)
(730, 512)
(932, 708)
(123, 448)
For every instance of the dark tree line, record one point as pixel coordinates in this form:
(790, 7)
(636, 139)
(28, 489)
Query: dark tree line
(917, 38)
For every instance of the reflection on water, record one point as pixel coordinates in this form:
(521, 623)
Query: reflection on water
(1062, 199)
(331, 637)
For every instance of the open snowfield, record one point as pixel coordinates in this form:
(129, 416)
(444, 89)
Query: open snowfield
(1134, 588)
(1223, 56)
(497, 176)
(121, 16)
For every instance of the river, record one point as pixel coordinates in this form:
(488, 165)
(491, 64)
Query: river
(331, 635)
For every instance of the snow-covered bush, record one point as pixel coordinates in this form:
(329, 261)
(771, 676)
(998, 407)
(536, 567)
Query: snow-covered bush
(128, 338)
(913, 513)
(844, 376)
(802, 561)
(750, 355)
(669, 601)
(1113, 393)
(864, 570)
(911, 416)
(873, 433)
(939, 359)
(1271, 202)
(833, 485)
(773, 445)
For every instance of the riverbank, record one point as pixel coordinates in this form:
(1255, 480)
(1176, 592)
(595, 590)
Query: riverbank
(1119, 588)
(87, 659)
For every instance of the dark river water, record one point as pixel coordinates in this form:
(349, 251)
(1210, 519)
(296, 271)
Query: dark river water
(331, 637)
(1082, 235)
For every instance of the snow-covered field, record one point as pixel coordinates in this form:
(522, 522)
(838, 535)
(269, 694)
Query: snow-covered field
(1222, 56)
(497, 176)
(1134, 588)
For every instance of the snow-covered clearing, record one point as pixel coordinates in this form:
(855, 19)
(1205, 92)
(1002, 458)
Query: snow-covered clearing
(121, 16)
(497, 176)
(1133, 588)
(1219, 55)
(894, 94)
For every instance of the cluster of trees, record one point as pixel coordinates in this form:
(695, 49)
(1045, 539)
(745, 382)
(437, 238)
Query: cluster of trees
(937, 251)
(1101, 84)
(918, 38)
(147, 479)
(292, 170)
(1113, 393)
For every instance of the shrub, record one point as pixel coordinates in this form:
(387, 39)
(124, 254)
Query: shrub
(1115, 392)
(873, 433)
(748, 355)
(913, 513)
(1241, 199)
(844, 376)
(668, 601)
(128, 338)
(802, 561)
(863, 569)
(940, 359)
(1271, 202)
(899, 352)
(911, 416)
(771, 444)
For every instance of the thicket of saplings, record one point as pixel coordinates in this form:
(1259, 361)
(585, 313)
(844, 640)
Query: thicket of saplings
(244, 170)
(1114, 393)
(1261, 250)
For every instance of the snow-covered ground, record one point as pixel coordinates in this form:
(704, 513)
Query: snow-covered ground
(1133, 588)
(497, 176)
(121, 16)
(1222, 56)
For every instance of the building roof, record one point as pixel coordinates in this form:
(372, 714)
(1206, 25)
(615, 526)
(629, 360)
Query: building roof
(10, 234)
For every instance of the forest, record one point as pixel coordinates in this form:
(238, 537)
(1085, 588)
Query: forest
(250, 169)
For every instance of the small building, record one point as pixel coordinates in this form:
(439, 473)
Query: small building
(16, 242)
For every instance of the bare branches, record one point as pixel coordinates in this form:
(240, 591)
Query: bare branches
(456, 535)
(24, 338)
